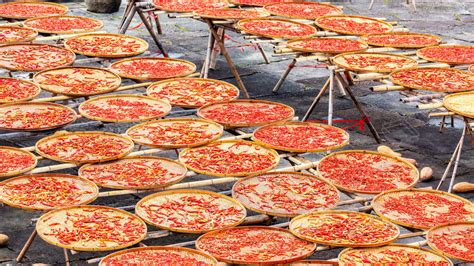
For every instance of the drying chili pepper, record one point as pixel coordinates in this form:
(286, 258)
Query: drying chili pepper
(302, 10)
(153, 68)
(16, 90)
(455, 240)
(193, 92)
(401, 40)
(34, 117)
(259, 2)
(14, 161)
(435, 79)
(366, 172)
(355, 26)
(189, 5)
(452, 54)
(277, 28)
(15, 34)
(30, 10)
(106, 45)
(155, 256)
(392, 255)
(325, 45)
(63, 24)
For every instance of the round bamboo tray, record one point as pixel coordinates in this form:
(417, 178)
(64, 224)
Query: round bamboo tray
(357, 19)
(43, 227)
(467, 58)
(204, 110)
(264, 185)
(452, 230)
(86, 192)
(273, 246)
(231, 13)
(463, 80)
(415, 175)
(120, 112)
(305, 220)
(471, 69)
(397, 43)
(32, 23)
(189, 6)
(259, 3)
(149, 255)
(335, 143)
(100, 80)
(397, 193)
(226, 145)
(175, 172)
(64, 135)
(341, 61)
(28, 157)
(20, 120)
(193, 92)
(312, 10)
(12, 35)
(194, 211)
(460, 103)
(163, 64)
(297, 45)
(60, 9)
(25, 90)
(310, 30)
(117, 52)
(432, 258)
(46, 56)
(143, 136)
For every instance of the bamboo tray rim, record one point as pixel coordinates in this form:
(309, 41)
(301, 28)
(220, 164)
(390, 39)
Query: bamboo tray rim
(347, 32)
(301, 256)
(420, 54)
(343, 212)
(131, 158)
(58, 134)
(252, 208)
(415, 248)
(46, 88)
(276, 158)
(190, 192)
(435, 248)
(141, 50)
(236, 125)
(135, 77)
(175, 146)
(296, 124)
(65, 8)
(138, 97)
(160, 7)
(443, 194)
(349, 67)
(262, 13)
(239, 26)
(25, 24)
(416, 177)
(71, 247)
(38, 90)
(70, 62)
(416, 87)
(364, 38)
(336, 9)
(364, 46)
(451, 108)
(21, 171)
(76, 179)
(150, 89)
(160, 248)
(23, 103)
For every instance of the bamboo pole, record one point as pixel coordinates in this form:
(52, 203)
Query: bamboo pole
(429, 106)
(381, 88)
(369, 76)
(441, 114)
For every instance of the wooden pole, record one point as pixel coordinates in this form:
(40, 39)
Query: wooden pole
(26, 246)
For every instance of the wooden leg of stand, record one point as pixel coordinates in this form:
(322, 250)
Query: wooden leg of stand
(366, 118)
(341, 84)
(264, 54)
(446, 171)
(152, 32)
(126, 12)
(216, 49)
(232, 67)
(128, 20)
(349, 78)
(330, 100)
(205, 65)
(66, 257)
(26, 246)
(284, 76)
(316, 101)
(458, 157)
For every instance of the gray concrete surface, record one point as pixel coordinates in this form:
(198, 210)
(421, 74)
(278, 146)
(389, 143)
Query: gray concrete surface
(404, 127)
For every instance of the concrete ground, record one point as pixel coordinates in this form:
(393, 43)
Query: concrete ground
(404, 127)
